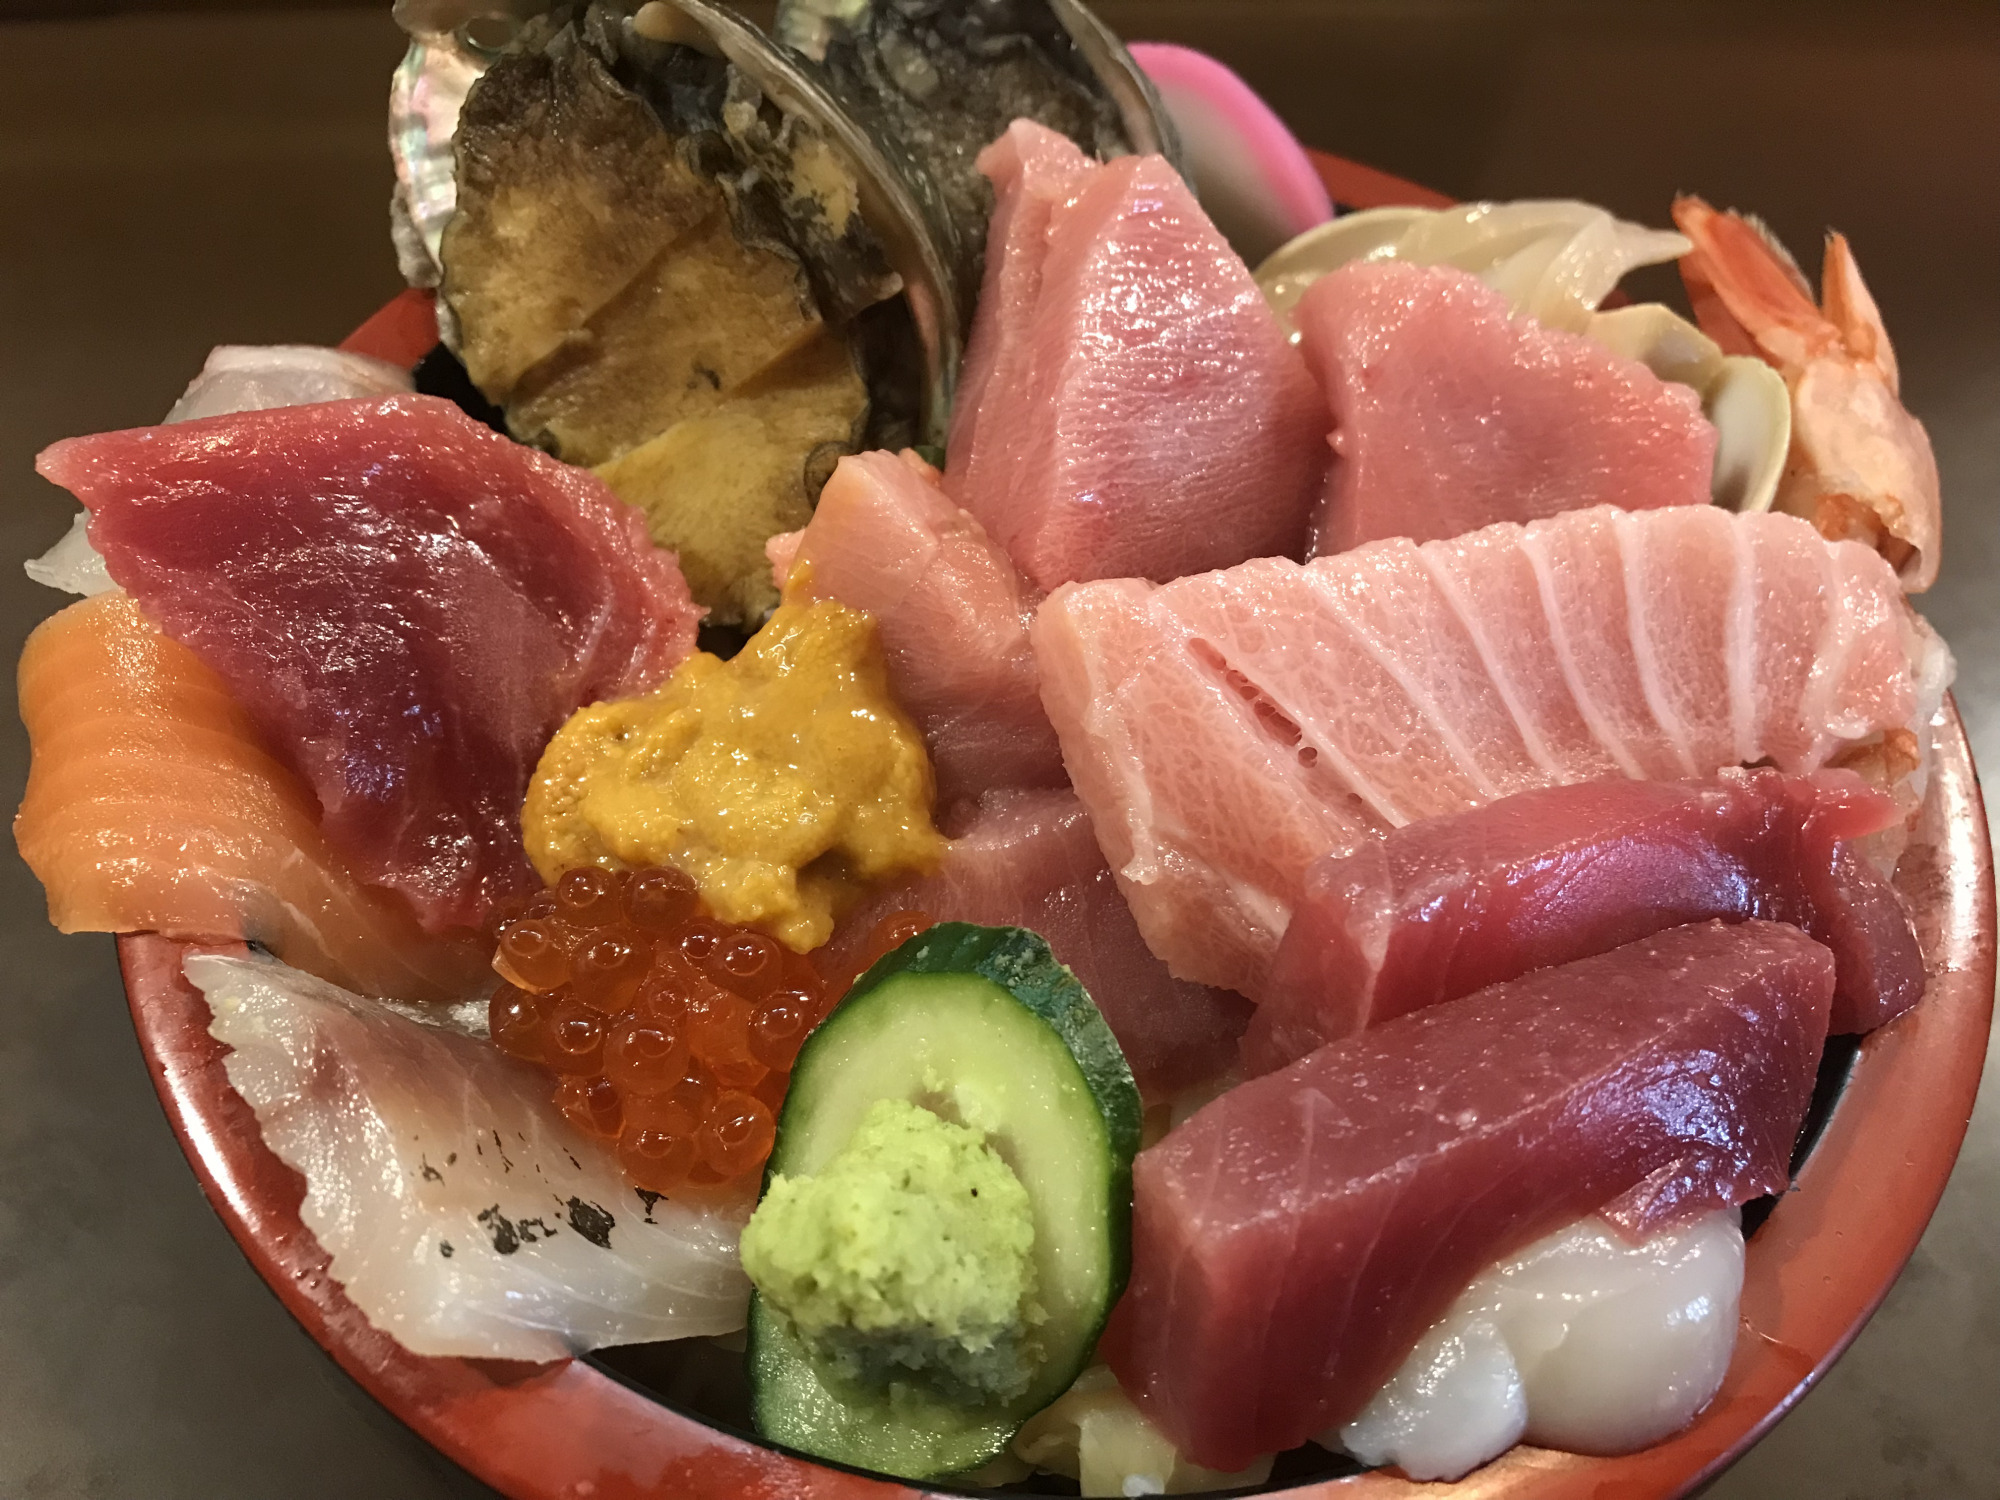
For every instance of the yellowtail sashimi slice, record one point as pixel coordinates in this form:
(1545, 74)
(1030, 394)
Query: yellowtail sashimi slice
(463, 1213)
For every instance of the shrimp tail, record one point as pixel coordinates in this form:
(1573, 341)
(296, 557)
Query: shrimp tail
(1746, 289)
(1851, 308)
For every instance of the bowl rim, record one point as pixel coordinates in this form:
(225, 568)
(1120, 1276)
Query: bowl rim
(1816, 1270)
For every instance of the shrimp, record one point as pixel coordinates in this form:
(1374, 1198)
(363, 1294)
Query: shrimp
(1861, 466)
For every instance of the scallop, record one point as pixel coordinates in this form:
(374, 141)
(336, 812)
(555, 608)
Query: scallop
(1582, 1341)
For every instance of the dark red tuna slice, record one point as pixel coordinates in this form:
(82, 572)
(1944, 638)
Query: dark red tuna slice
(1029, 859)
(1132, 407)
(1450, 414)
(1438, 909)
(406, 603)
(952, 614)
(1293, 1239)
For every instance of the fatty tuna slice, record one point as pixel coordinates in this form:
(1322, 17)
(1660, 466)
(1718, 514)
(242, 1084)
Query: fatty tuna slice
(1294, 1239)
(407, 604)
(1441, 908)
(952, 615)
(1032, 169)
(1226, 730)
(1134, 408)
(1449, 414)
(1028, 859)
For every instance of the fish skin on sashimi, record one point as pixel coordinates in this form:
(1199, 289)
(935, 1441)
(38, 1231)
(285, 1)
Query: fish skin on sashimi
(463, 1214)
(155, 805)
(1133, 407)
(407, 604)
(1441, 908)
(1029, 859)
(952, 615)
(1226, 730)
(1449, 414)
(1292, 1240)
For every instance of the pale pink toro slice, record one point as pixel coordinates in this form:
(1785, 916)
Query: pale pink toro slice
(1131, 407)
(1293, 1240)
(1449, 414)
(952, 614)
(406, 603)
(1226, 730)
(1441, 908)
(1032, 169)
(1028, 859)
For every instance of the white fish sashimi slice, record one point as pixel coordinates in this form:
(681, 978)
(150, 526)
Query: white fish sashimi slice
(258, 377)
(235, 377)
(463, 1213)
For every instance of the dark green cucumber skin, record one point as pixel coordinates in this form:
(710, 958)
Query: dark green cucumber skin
(1020, 963)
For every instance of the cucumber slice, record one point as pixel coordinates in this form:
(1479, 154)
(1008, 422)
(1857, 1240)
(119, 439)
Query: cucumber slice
(982, 1026)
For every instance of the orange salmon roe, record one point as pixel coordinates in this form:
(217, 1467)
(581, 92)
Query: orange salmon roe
(670, 1033)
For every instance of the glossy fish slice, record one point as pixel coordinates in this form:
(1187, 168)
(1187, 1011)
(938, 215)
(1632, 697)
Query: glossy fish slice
(1657, 1082)
(154, 805)
(1444, 906)
(1226, 729)
(463, 1213)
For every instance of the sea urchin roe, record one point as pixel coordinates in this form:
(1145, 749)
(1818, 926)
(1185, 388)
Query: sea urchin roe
(670, 1033)
(784, 781)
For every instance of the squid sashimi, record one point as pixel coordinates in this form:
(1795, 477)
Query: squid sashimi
(952, 614)
(1293, 1240)
(1449, 414)
(155, 805)
(1441, 908)
(1028, 859)
(463, 1213)
(406, 603)
(1226, 730)
(1132, 406)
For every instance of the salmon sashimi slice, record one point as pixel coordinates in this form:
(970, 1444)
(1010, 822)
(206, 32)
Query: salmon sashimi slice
(1449, 413)
(1441, 908)
(1294, 1239)
(1132, 406)
(406, 603)
(952, 614)
(1225, 730)
(1028, 859)
(155, 805)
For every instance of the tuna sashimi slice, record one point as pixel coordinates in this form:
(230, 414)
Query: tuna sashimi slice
(1293, 1240)
(1032, 169)
(155, 805)
(1133, 407)
(462, 1212)
(1225, 730)
(1447, 906)
(1029, 859)
(952, 615)
(407, 604)
(1449, 414)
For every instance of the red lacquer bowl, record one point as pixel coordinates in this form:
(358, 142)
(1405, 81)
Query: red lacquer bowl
(1816, 1269)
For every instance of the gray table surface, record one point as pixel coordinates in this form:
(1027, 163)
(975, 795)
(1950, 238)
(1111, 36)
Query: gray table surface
(173, 182)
